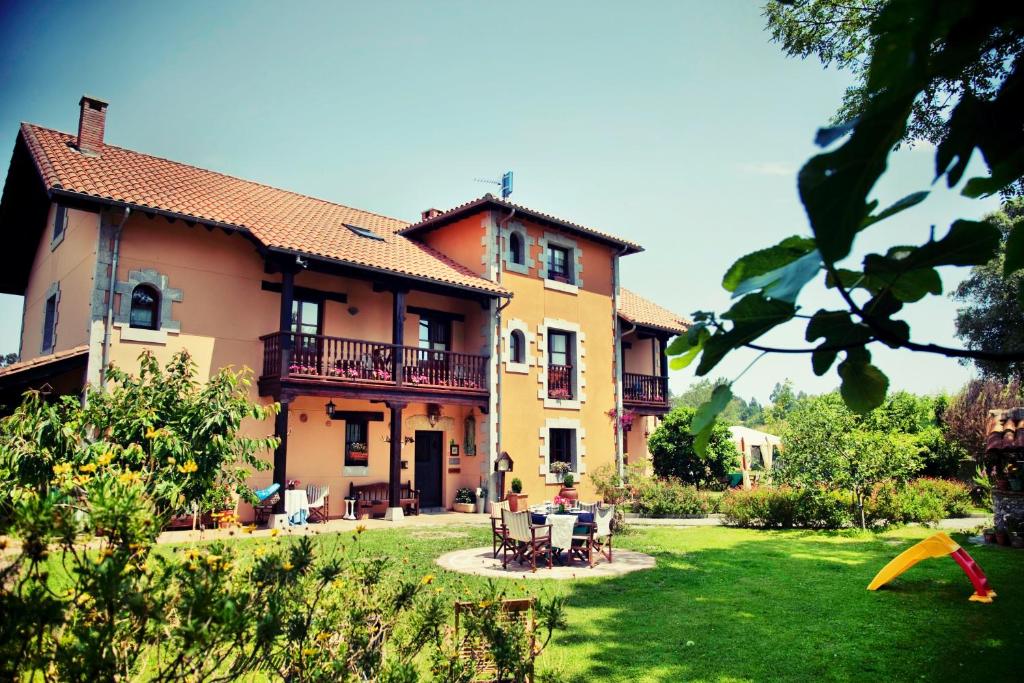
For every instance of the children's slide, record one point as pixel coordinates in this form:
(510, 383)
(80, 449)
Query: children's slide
(936, 545)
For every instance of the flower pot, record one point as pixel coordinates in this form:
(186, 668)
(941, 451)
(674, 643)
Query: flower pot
(481, 505)
(1002, 484)
(464, 507)
(989, 535)
(569, 493)
(516, 502)
(1002, 538)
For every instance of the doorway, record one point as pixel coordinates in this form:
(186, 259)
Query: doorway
(429, 466)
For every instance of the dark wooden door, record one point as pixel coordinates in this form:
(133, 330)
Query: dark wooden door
(429, 465)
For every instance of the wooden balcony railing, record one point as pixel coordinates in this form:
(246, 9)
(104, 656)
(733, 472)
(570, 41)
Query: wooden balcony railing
(560, 381)
(341, 360)
(639, 388)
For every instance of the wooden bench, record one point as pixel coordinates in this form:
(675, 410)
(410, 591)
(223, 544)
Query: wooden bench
(372, 499)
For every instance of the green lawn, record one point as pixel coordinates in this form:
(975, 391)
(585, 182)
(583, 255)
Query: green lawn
(737, 605)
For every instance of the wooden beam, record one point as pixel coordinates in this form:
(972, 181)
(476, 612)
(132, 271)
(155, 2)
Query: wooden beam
(435, 314)
(281, 454)
(307, 293)
(354, 415)
(395, 468)
(285, 321)
(398, 333)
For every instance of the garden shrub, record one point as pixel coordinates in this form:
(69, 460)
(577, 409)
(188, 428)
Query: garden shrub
(669, 498)
(924, 500)
(785, 508)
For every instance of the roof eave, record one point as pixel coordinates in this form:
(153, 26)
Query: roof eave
(454, 214)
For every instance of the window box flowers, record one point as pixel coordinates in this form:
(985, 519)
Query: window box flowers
(465, 500)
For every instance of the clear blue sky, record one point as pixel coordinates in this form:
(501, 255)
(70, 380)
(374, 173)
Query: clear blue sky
(675, 124)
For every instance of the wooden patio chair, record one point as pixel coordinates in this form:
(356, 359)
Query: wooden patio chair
(476, 651)
(499, 534)
(596, 536)
(319, 502)
(528, 541)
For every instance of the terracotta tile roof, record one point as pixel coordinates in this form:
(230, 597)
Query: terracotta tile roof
(277, 218)
(21, 366)
(452, 214)
(640, 311)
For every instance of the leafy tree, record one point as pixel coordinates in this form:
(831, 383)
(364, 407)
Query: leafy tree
(783, 400)
(922, 418)
(992, 317)
(752, 414)
(826, 444)
(965, 416)
(918, 50)
(838, 33)
(674, 454)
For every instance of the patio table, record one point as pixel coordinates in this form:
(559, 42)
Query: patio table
(563, 526)
(296, 506)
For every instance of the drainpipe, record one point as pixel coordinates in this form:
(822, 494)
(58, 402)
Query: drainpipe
(115, 252)
(497, 322)
(619, 450)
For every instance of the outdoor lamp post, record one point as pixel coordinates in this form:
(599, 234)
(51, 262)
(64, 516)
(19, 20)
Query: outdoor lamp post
(502, 465)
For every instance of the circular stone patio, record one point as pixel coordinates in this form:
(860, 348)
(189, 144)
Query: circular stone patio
(479, 561)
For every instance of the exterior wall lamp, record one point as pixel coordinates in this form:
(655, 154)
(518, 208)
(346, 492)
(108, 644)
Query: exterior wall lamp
(330, 409)
(433, 413)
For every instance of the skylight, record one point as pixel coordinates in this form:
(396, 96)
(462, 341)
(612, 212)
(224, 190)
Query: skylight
(364, 232)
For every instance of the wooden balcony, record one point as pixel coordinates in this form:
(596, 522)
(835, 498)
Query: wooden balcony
(645, 392)
(314, 364)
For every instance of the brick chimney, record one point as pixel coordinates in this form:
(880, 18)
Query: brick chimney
(91, 122)
(430, 213)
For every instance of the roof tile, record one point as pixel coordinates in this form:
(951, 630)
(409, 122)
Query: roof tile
(640, 311)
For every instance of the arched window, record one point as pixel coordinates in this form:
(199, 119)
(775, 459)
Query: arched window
(515, 248)
(145, 313)
(517, 347)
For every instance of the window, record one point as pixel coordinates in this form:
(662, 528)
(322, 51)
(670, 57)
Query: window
(560, 362)
(357, 443)
(50, 323)
(60, 224)
(756, 459)
(562, 447)
(517, 347)
(435, 334)
(364, 232)
(306, 323)
(558, 263)
(515, 248)
(145, 310)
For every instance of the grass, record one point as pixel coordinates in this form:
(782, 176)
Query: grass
(741, 605)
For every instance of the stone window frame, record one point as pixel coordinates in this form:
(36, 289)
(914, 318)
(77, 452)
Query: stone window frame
(559, 240)
(52, 292)
(528, 243)
(529, 340)
(579, 454)
(168, 296)
(579, 367)
(60, 212)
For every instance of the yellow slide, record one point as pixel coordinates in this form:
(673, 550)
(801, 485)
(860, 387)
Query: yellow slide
(936, 545)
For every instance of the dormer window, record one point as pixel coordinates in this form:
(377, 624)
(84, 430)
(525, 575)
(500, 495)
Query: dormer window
(559, 259)
(515, 248)
(145, 310)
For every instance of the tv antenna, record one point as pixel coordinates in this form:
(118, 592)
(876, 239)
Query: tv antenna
(505, 183)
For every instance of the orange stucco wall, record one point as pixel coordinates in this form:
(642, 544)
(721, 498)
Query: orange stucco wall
(524, 414)
(639, 357)
(223, 313)
(461, 241)
(72, 263)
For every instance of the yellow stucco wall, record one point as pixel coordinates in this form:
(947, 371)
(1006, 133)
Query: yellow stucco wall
(639, 357)
(72, 263)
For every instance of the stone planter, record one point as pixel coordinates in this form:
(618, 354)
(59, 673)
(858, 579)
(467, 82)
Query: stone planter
(569, 493)
(464, 507)
(517, 502)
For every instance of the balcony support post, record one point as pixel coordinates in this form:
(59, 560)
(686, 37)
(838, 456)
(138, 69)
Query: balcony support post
(281, 453)
(663, 365)
(394, 511)
(398, 334)
(285, 324)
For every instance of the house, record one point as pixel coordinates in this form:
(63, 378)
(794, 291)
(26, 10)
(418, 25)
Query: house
(399, 352)
(758, 450)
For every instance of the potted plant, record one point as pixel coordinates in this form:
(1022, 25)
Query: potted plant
(989, 535)
(564, 471)
(1002, 537)
(516, 499)
(481, 500)
(218, 507)
(465, 500)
